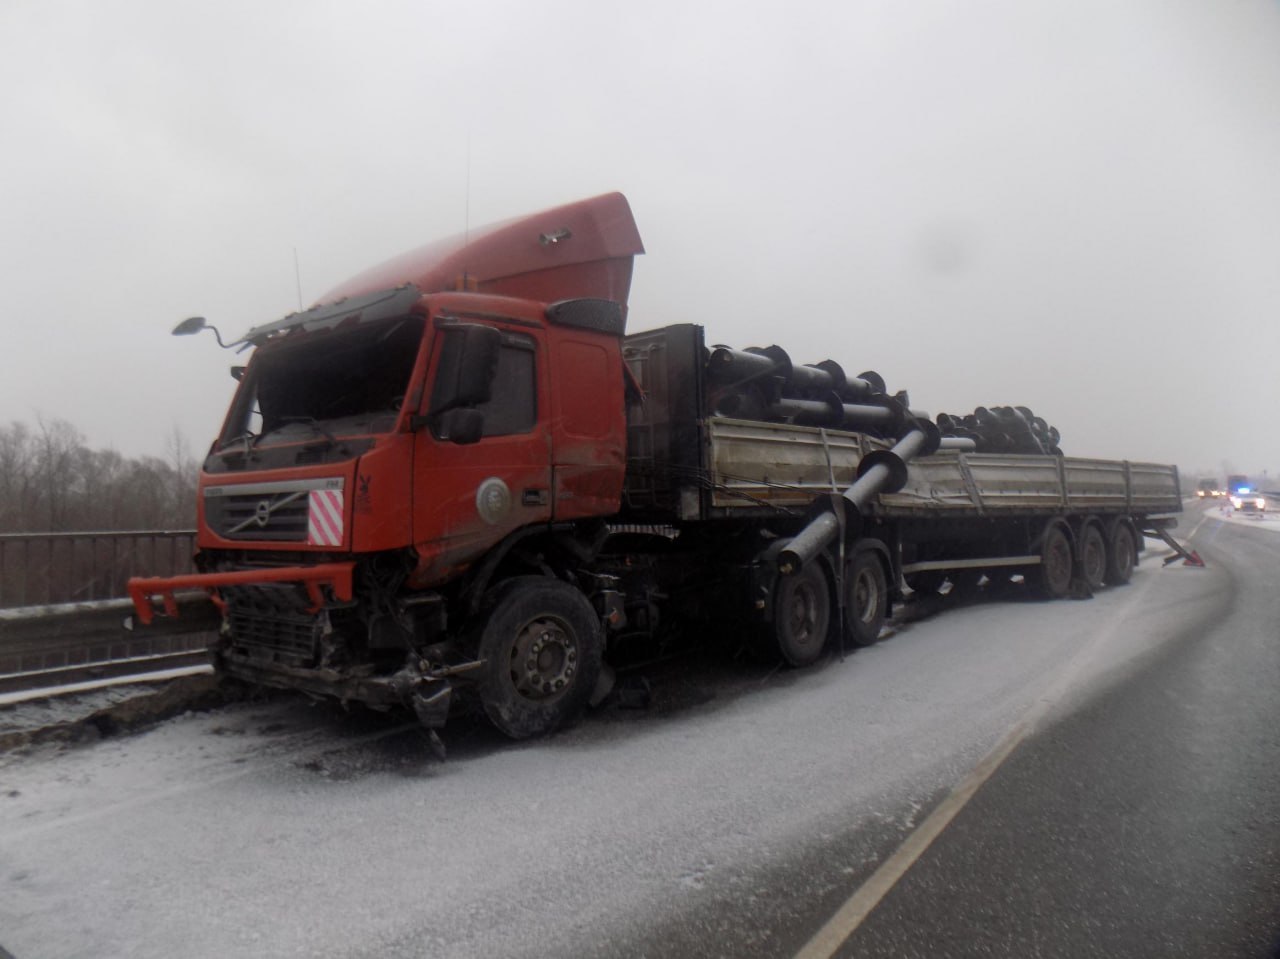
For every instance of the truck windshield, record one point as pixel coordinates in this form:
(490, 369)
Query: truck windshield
(326, 383)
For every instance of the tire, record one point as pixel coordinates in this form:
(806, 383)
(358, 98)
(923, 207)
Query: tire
(866, 599)
(801, 622)
(1120, 555)
(1052, 578)
(542, 646)
(1093, 556)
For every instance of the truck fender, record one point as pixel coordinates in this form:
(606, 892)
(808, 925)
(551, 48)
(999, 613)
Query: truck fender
(567, 539)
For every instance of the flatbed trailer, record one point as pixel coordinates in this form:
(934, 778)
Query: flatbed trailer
(954, 511)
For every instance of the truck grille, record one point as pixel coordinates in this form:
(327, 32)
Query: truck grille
(273, 512)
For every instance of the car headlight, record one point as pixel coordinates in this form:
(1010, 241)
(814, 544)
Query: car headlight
(1237, 502)
(1260, 502)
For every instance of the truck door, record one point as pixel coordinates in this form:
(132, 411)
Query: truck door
(467, 496)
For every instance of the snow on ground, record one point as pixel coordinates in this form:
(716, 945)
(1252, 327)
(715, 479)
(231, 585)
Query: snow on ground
(1222, 512)
(269, 829)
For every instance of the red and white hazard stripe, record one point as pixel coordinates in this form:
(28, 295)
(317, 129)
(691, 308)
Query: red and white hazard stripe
(324, 518)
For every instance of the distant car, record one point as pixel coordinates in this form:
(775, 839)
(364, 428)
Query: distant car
(1244, 497)
(1208, 488)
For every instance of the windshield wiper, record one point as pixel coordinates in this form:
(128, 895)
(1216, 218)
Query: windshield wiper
(249, 438)
(315, 425)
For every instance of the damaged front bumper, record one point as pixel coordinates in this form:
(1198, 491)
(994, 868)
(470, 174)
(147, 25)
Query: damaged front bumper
(427, 691)
(337, 578)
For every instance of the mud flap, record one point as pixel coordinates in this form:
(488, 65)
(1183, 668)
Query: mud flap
(604, 685)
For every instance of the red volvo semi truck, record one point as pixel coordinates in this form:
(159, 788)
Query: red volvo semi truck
(458, 482)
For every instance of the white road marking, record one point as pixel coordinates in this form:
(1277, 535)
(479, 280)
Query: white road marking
(864, 900)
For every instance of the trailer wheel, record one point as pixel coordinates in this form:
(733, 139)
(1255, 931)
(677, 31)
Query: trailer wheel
(1120, 555)
(802, 615)
(1052, 579)
(866, 599)
(542, 646)
(1093, 556)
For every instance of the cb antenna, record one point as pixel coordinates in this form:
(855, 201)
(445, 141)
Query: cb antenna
(297, 276)
(466, 230)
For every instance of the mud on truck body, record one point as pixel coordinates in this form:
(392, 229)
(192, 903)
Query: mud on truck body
(457, 482)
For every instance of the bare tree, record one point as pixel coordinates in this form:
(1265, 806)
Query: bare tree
(182, 484)
(56, 444)
(51, 481)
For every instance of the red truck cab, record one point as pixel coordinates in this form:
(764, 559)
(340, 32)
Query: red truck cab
(387, 449)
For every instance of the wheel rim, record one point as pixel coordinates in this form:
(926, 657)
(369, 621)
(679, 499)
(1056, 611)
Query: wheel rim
(803, 614)
(866, 596)
(544, 659)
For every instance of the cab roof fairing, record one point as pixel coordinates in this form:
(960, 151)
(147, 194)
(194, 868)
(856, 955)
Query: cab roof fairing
(581, 250)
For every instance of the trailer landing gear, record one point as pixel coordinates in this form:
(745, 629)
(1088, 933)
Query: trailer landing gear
(1189, 557)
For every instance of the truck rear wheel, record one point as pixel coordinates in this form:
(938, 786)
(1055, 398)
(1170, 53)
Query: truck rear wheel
(866, 599)
(1120, 554)
(542, 646)
(1093, 556)
(1052, 579)
(802, 615)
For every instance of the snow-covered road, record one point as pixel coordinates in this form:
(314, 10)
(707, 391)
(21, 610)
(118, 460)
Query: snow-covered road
(277, 829)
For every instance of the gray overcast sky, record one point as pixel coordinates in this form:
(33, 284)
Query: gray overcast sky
(1073, 206)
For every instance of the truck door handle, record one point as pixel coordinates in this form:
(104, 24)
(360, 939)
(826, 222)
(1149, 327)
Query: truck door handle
(533, 496)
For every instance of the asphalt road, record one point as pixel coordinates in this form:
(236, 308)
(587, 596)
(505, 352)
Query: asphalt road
(1146, 822)
(1008, 778)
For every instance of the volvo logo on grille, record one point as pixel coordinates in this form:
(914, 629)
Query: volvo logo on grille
(262, 514)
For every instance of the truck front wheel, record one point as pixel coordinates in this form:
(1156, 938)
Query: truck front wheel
(542, 646)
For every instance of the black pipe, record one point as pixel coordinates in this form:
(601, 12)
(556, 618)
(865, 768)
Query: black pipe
(728, 366)
(829, 411)
(880, 471)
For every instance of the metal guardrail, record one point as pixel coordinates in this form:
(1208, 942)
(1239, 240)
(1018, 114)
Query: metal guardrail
(52, 568)
(55, 645)
(62, 607)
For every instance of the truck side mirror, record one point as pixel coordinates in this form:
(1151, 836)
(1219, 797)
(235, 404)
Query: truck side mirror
(192, 324)
(461, 425)
(468, 364)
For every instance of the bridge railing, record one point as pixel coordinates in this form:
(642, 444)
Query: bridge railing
(43, 569)
(62, 607)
